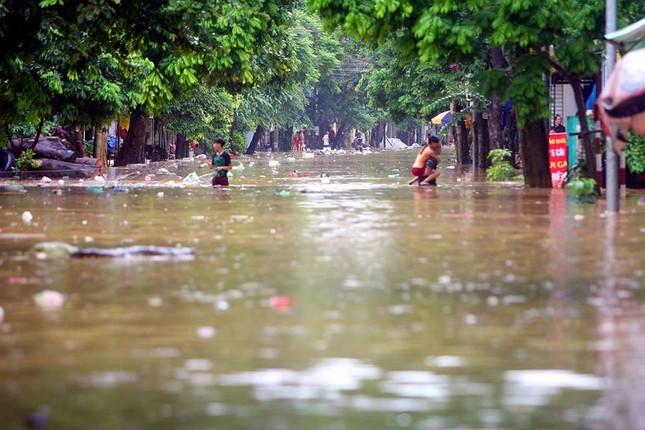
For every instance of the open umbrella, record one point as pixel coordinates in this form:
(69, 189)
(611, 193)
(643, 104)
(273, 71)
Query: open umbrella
(442, 118)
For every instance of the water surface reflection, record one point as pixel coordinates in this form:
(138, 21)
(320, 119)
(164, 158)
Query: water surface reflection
(346, 303)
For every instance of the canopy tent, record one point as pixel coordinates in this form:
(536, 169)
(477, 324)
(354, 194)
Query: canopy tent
(630, 37)
(393, 143)
(442, 119)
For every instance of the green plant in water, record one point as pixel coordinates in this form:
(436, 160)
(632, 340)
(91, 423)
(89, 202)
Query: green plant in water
(501, 169)
(582, 189)
(25, 160)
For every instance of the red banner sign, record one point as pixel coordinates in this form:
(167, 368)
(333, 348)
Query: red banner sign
(558, 158)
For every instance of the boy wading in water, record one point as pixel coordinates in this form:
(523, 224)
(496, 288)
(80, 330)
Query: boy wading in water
(425, 165)
(221, 163)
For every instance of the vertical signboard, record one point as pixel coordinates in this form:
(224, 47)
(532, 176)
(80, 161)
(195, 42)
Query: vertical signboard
(558, 158)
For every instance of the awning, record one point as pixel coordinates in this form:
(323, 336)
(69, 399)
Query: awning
(630, 37)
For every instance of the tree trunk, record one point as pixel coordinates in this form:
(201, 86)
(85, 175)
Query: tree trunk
(495, 123)
(132, 149)
(379, 134)
(100, 146)
(273, 139)
(58, 169)
(510, 138)
(460, 136)
(534, 150)
(340, 134)
(259, 131)
(182, 149)
(39, 131)
(481, 139)
(79, 143)
(286, 139)
(47, 147)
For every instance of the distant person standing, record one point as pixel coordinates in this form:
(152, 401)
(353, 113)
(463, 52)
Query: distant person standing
(325, 140)
(332, 138)
(221, 163)
(557, 125)
(358, 141)
(301, 138)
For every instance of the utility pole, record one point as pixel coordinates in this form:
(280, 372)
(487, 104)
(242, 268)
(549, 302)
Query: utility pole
(612, 157)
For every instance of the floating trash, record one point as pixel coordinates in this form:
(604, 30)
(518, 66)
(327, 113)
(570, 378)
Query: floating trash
(1, 314)
(118, 188)
(221, 305)
(160, 194)
(191, 179)
(284, 193)
(94, 190)
(49, 300)
(155, 301)
(45, 180)
(163, 171)
(14, 187)
(281, 302)
(27, 217)
(205, 332)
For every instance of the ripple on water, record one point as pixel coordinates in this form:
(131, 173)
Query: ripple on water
(535, 387)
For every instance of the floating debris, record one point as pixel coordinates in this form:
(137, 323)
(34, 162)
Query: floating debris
(281, 302)
(49, 299)
(45, 250)
(27, 217)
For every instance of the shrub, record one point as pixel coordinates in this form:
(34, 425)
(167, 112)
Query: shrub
(25, 160)
(501, 169)
(635, 153)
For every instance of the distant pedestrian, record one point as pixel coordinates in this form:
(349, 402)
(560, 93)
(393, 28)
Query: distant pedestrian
(221, 163)
(358, 141)
(557, 125)
(332, 138)
(325, 140)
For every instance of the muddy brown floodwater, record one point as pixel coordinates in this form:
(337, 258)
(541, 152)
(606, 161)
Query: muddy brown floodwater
(347, 302)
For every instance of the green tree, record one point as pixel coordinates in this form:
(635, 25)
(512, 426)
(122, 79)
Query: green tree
(100, 57)
(340, 96)
(232, 45)
(282, 103)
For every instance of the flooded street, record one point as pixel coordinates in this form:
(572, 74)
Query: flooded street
(353, 302)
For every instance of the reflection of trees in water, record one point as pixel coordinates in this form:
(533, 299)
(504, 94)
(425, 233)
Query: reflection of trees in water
(622, 348)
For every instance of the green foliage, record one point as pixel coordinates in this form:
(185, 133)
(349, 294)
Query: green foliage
(18, 130)
(201, 113)
(238, 145)
(25, 160)
(501, 169)
(583, 189)
(635, 153)
(85, 61)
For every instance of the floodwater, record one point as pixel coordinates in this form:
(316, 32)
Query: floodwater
(354, 302)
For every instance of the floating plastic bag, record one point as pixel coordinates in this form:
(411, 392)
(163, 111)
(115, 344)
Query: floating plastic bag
(191, 179)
